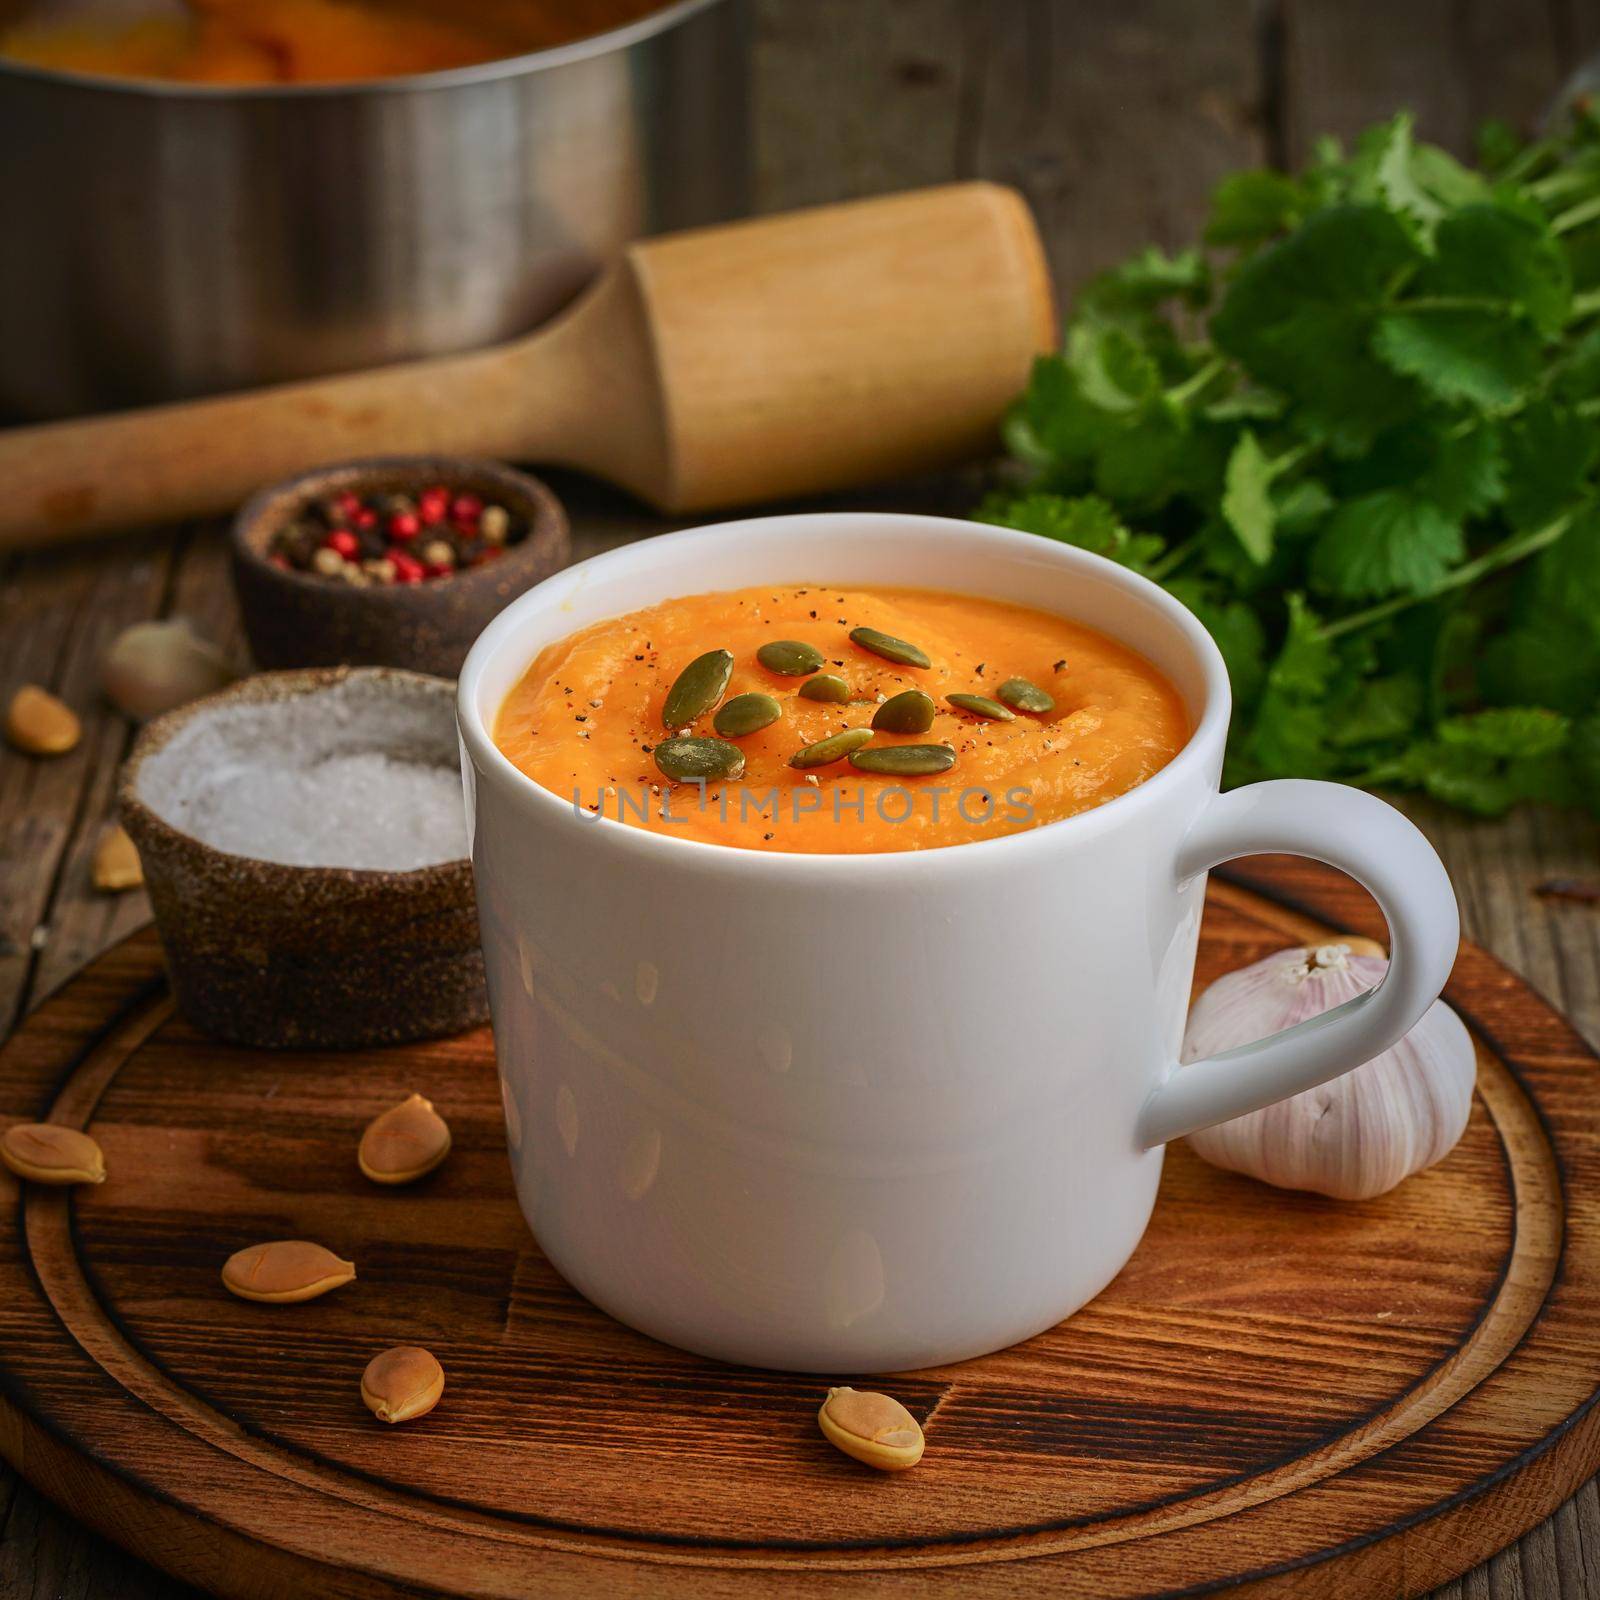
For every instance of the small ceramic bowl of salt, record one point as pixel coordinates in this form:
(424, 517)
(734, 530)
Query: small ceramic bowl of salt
(304, 842)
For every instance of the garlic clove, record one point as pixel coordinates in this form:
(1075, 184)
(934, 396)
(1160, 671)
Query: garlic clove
(1355, 1136)
(154, 667)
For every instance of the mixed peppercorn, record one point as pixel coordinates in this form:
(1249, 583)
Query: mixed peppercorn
(396, 538)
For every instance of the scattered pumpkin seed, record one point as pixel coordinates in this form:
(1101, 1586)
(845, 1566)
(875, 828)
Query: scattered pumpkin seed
(404, 1143)
(834, 748)
(1025, 696)
(402, 1383)
(697, 688)
(45, 1152)
(116, 863)
(687, 759)
(826, 687)
(889, 647)
(284, 1270)
(874, 1428)
(792, 657)
(746, 713)
(910, 711)
(39, 724)
(980, 705)
(905, 760)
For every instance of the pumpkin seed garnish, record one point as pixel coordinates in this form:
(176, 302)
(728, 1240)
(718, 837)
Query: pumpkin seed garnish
(834, 748)
(905, 760)
(1025, 696)
(687, 759)
(889, 647)
(826, 687)
(697, 688)
(791, 657)
(746, 713)
(910, 711)
(980, 705)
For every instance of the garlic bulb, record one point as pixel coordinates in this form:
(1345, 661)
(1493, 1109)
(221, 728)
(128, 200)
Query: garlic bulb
(1357, 1135)
(154, 667)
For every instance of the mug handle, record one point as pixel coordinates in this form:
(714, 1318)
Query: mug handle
(1381, 850)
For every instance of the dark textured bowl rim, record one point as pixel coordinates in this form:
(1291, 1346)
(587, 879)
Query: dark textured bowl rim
(271, 506)
(256, 689)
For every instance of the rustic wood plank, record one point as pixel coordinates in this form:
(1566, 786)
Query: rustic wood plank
(57, 614)
(83, 920)
(1346, 64)
(857, 99)
(1117, 121)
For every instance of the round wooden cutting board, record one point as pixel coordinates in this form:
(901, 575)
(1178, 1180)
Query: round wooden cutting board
(1280, 1391)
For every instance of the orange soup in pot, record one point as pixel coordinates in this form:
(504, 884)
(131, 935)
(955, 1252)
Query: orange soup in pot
(304, 41)
(748, 719)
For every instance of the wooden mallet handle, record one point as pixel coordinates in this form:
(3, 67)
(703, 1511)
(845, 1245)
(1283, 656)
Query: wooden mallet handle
(781, 356)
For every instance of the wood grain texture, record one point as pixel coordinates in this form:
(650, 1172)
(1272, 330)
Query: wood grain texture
(857, 97)
(1318, 1399)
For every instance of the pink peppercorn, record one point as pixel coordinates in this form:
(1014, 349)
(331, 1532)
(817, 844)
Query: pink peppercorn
(344, 542)
(438, 569)
(364, 517)
(432, 505)
(404, 526)
(466, 508)
(406, 569)
(348, 504)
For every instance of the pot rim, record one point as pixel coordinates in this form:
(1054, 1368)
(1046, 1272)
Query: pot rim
(529, 62)
(142, 819)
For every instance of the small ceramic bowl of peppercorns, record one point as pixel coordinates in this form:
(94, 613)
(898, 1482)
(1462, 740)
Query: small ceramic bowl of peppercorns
(398, 561)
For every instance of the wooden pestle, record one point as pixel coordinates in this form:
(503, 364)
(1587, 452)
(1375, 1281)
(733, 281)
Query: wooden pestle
(779, 356)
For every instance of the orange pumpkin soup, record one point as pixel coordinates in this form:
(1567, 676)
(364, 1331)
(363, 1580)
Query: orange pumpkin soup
(586, 719)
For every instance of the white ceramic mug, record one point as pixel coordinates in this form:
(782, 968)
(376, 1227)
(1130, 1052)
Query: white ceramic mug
(856, 1113)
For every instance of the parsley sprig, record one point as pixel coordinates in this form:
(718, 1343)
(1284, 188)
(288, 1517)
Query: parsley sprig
(1357, 431)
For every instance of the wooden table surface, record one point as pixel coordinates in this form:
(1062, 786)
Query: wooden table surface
(1114, 119)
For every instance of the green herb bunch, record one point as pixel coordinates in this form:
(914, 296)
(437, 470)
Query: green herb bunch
(1358, 434)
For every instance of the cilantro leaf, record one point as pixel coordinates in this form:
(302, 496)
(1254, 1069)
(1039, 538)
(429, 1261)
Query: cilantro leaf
(1482, 358)
(1113, 369)
(1554, 662)
(1566, 577)
(1054, 427)
(1584, 753)
(1298, 316)
(1466, 475)
(1489, 761)
(1392, 541)
(1146, 280)
(1248, 208)
(1549, 452)
(1379, 709)
(1291, 723)
(1237, 631)
(1247, 505)
(1087, 521)
(1488, 252)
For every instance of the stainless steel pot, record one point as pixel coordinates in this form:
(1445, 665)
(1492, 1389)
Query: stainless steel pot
(165, 240)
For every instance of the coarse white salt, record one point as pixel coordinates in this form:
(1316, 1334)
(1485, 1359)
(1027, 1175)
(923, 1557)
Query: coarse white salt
(362, 773)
